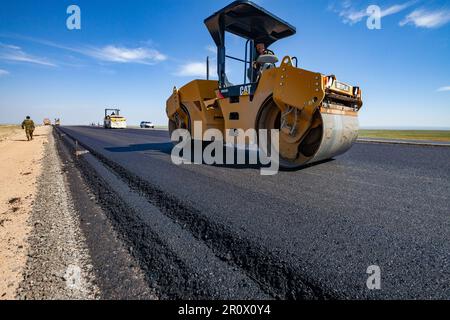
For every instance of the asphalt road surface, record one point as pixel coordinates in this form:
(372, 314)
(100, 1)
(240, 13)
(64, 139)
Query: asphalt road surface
(310, 233)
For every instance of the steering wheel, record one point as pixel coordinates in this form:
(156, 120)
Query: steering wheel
(267, 58)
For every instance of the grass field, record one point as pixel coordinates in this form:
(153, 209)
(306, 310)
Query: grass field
(430, 135)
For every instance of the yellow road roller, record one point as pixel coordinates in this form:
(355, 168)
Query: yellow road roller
(113, 119)
(316, 115)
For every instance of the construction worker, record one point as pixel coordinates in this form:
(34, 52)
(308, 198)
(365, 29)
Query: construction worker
(29, 127)
(260, 50)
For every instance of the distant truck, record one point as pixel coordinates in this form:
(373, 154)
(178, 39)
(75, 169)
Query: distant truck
(113, 119)
(47, 122)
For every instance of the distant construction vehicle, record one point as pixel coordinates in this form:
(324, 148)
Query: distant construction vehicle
(57, 122)
(316, 115)
(113, 119)
(47, 122)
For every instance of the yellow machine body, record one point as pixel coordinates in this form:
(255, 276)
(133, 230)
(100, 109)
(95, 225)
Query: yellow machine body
(317, 120)
(113, 119)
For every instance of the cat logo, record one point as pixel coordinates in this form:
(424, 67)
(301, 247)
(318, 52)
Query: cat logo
(245, 90)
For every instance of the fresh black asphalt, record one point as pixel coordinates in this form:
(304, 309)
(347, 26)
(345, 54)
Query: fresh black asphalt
(310, 233)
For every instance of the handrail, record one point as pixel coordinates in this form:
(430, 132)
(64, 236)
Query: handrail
(237, 59)
(245, 63)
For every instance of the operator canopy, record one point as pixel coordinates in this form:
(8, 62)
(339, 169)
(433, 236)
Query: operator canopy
(248, 20)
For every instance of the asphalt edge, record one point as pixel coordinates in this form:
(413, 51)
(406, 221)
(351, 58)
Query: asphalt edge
(275, 276)
(176, 284)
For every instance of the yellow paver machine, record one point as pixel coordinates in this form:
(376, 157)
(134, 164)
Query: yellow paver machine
(316, 115)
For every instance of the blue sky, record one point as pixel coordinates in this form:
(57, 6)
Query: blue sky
(130, 54)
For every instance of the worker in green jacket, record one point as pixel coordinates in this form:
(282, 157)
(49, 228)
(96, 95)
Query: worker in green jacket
(29, 127)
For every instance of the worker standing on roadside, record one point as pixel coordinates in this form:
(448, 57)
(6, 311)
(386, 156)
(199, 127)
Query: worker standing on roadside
(28, 125)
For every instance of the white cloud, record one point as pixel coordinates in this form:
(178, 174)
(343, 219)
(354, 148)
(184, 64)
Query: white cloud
(117, 54)
(3, 72)
(16, 54)
(197, 68)
(351, 16)
(427, 19)
(192, 69)
(442, 89)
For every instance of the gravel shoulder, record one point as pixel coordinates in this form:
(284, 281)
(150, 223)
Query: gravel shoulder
(58, 264)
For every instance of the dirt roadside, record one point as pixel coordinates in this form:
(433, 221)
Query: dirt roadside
(20, 167)
(6, 131)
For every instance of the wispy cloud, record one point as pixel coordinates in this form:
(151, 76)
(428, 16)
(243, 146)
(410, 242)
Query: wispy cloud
(442, 89)
(118, 54)
(427, 19)
(142, 54)
(114, 53)
(351, 15)
(396, 9)
(3, 73)
(16, 54)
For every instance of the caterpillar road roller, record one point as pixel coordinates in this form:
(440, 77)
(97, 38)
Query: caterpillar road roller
(113, 119)
(316, 115)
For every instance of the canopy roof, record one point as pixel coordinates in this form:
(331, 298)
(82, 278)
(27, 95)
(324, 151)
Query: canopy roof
(248, 20)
